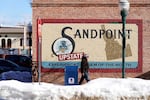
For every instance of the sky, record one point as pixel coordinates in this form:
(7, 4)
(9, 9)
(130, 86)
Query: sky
(96, 89)
(14, 12)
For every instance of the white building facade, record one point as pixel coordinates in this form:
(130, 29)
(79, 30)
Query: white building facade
(16, 40)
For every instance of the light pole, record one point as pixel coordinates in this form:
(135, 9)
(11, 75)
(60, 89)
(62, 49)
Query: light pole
(124, 6)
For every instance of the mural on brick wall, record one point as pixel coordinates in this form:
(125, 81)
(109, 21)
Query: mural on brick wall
(64, 42)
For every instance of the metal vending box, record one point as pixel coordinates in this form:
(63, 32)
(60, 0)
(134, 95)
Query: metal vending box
(71, 75)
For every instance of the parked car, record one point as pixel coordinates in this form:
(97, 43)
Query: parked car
(7, 65)
(16, 75)
(21, 60)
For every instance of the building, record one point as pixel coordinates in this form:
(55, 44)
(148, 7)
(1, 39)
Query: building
(61, 16)
(15, 39)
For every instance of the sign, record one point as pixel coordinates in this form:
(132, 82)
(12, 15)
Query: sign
(65, 41)
(71, 80)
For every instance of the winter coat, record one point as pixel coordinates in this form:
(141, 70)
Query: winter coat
(84, 65)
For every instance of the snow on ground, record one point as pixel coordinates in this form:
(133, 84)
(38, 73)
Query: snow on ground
(97, 89)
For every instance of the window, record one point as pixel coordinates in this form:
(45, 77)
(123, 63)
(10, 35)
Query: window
(21, 42)
(9, 43)
(3, 43)
(30, 41)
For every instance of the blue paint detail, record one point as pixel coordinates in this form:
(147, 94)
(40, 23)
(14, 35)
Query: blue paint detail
(92, 64)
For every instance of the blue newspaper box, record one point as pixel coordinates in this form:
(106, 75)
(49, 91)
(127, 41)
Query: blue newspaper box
(71, 75)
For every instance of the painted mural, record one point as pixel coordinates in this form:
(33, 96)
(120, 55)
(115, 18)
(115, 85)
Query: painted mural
(64, 42)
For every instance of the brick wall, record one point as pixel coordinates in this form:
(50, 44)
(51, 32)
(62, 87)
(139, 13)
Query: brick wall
(92, 9)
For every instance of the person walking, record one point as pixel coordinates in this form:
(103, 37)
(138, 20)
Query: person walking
(84, 67)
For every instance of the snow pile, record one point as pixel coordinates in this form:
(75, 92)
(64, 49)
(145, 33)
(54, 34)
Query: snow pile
(98, 89)
(16, 75)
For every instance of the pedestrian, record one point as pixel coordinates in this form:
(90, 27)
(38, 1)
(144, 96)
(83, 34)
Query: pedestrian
(84, 67)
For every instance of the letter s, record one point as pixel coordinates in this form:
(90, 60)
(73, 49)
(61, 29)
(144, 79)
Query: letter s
(68, 37)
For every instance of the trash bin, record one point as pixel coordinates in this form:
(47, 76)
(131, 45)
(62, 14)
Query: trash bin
(71, 75)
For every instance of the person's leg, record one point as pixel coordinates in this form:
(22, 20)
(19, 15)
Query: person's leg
(86, 76)
(81, 80)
